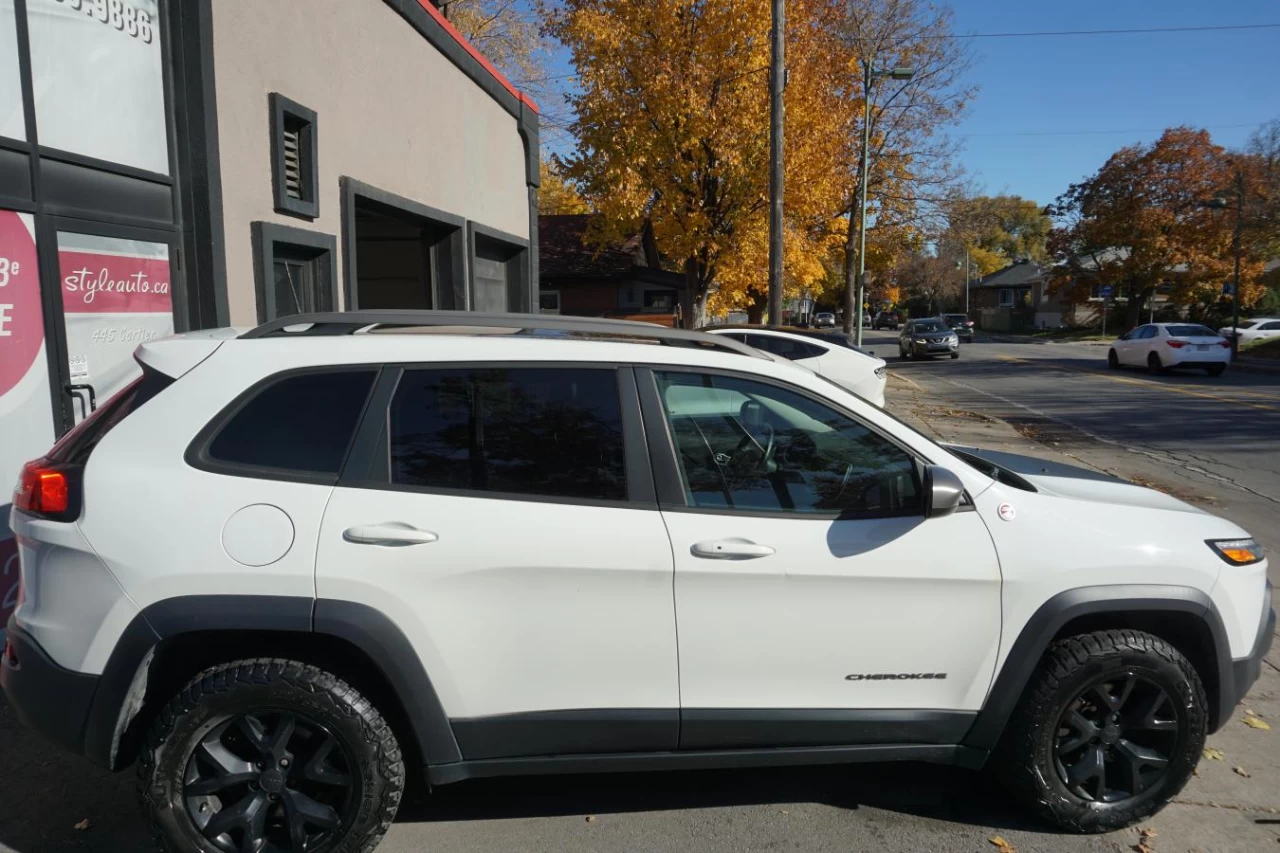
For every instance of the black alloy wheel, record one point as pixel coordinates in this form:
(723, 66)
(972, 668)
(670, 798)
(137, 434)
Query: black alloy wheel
(269, 781)
(1115, 739)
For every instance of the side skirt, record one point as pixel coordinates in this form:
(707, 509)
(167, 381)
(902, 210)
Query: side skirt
(443, 774)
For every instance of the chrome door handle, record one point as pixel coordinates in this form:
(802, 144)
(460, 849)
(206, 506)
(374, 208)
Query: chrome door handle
(390, 533)
(730, 549)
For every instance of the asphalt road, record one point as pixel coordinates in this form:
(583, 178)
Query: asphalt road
(1214, 441)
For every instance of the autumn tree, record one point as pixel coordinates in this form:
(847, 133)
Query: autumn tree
(1141, 222)
(557, 195)
(996, 230)
(671, 123)
(929, 277)
(911, 160)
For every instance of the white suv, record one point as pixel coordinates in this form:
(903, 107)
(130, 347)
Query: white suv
(287, 563)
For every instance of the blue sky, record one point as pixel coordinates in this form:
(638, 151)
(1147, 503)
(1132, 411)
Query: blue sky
(1135, 83)
(1047, 106)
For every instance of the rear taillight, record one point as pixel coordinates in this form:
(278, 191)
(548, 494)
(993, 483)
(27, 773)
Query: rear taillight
(47, 490)
(1176, 344)
(1225, 344)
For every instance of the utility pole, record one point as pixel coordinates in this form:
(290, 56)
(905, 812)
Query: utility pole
(777, 82)
(966, 282)
(1235, 248)
(867, 78)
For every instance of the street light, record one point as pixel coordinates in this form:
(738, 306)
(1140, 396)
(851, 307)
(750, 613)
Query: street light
(1221, 203)
(869, 76)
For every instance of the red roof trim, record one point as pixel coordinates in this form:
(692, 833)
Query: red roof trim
(469, 48)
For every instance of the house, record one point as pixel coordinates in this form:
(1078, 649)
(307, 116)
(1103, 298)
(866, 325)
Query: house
(1015, 298)
(622, 280)
(170, 165)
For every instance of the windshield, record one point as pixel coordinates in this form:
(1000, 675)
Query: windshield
(929, 326)
(1191, 332)
(955, 318)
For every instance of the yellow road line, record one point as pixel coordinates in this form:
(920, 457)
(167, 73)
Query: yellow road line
(1142, 384)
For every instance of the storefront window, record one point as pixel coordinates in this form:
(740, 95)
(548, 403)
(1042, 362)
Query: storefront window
(98, 79)
(11, 118)
(115, 296)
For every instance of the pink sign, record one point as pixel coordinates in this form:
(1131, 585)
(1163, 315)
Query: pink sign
(21, 318)
(94, 283)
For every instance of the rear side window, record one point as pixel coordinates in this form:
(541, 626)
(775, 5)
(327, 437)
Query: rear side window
(74, 447)
(788, 348)
(303, 423)
(555, 432)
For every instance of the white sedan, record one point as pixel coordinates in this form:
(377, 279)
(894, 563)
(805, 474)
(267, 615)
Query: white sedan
(830, 355)
(1160, 346)
(1259, 328)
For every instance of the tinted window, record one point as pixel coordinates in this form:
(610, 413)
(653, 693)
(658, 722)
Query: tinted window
(302, 422)
(1270, 327)
(929, 326)
(785, 347)
(535, 431)
(1191, 331)
(751, 445)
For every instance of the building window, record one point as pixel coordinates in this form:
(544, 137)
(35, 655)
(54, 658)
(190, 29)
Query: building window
(499, 271)
(659, 300)
(295, 271)
(1006, 297)
(549, 301)
(293, 158)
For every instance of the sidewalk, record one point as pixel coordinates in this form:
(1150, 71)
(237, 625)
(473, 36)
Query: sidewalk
(1233, 801)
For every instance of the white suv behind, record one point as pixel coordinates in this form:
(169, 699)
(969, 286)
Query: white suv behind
(286, 564)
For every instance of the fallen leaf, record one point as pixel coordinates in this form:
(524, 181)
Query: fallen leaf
(1257, 723)
(1240, 771)
(1002, 845)
(1212, 754)
(784, 811)
(1195, 771)
(1147, 833)
(591, 818)
(1141, 847)
(83, 824)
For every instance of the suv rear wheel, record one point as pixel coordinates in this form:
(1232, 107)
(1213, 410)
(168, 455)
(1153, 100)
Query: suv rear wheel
(1109, 730)
(269, 754)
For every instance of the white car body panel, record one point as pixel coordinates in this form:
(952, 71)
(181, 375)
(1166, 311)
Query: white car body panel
(852, 370)
(1260, 328)
(520, 605)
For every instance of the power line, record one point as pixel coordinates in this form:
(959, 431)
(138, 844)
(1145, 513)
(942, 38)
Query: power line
(1109, 32)
(1099, 132)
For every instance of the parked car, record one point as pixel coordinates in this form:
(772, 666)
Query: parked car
(927, 338)
(887, 320)
(1161, 346)
(961, 325)
(830, 355)
(824, 320)
(1258, 328)
(287, 564)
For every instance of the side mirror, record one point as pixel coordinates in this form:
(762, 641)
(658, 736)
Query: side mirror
(943, 492)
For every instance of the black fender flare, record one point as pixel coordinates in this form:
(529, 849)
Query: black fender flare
(1054, 614)
(122, 686)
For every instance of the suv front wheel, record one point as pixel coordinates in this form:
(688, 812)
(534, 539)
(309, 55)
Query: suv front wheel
(269, 754)
(1109, 730)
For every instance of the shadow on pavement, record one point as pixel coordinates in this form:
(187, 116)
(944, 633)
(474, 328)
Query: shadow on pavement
(47, 792)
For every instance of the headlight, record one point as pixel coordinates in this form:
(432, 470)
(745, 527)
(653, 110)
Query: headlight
(1237, 552)
(917, 340)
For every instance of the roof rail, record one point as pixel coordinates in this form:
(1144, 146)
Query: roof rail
(350, 322)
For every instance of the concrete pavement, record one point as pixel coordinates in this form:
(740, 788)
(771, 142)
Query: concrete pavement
(1210, 441)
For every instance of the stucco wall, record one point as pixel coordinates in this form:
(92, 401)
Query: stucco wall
(392, 112)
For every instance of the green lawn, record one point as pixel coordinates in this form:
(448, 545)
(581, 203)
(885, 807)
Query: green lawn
(1262, 349)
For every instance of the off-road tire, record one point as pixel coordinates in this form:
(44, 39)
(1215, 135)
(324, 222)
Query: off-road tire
(1025, 759)
(270, 683)
(1113, 360)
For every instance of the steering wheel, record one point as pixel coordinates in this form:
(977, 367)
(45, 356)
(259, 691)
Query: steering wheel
(765, 450)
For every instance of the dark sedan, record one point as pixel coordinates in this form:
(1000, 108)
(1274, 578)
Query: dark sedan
(927, 338)
(961, 325)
